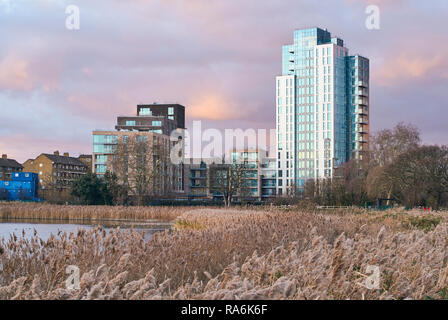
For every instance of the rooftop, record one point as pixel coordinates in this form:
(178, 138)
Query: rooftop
(65, 160)
(10, 163)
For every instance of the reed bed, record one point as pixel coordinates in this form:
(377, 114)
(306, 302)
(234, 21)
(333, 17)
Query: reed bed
(236, 254)
(17, 210)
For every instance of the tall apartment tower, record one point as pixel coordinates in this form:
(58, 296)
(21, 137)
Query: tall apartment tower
(322, 108)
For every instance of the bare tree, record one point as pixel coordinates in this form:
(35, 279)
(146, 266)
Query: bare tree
(386, 146)
(228, 180)
(143, 167)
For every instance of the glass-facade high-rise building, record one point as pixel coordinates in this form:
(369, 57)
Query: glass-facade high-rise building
(322, 108)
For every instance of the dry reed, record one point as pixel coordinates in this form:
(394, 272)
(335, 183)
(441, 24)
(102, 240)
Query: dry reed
(236, 254)
(17, 210)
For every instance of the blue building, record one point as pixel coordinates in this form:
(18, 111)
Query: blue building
(322, 108)
(22, 187)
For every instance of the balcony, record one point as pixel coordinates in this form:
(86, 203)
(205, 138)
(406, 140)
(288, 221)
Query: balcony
(197, 177)
(363, 93)
(199, 169)
(362, 112)
(197, 186)
(362, 84)
(362, 121)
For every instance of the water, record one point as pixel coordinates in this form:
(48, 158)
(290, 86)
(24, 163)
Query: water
(45, 228)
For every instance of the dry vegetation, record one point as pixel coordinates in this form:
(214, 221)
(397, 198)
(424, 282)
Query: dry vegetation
(17, 210)
(239, 254)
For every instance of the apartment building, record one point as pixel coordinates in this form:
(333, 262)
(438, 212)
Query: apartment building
(141, 145)
(197, 178)
(133, 156)
(55, 169)
(253, 171)
(87, 159)
(8, 166)
(322, 108)
(56, 173)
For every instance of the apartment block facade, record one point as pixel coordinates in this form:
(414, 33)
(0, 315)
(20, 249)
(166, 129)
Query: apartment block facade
(56, 173)
(8, 166)
(258, 176)
(142, 143)
(135, 155)
(322, 108)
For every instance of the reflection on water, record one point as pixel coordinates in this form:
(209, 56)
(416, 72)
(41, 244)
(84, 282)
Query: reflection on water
(45, 228)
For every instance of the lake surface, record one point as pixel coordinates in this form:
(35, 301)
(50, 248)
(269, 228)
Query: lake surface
(45, 228)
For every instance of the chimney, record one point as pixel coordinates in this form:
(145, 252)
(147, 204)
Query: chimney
(66, 154)
(56, 153)
(4, 156)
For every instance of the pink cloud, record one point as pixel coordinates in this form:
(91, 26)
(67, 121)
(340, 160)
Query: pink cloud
(22, 147)
(14, 74)
(406, 67)
(215, 107)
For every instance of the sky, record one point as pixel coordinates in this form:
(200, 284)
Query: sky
(219, 58)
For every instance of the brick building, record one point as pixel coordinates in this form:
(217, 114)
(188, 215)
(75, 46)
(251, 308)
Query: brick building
(56, 173)
(7, 166)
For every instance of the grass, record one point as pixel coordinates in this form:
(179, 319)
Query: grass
(262, 253)
(425, 223)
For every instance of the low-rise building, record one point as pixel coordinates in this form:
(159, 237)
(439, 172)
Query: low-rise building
(196, 177)
(87, 159)
(7, 166)
(251, 172)
(56, 173)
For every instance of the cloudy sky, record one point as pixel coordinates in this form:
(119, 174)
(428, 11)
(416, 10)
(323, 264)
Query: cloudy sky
(219, 58)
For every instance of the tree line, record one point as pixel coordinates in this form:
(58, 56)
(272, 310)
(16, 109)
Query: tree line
(398, 168)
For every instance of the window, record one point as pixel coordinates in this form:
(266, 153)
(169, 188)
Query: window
(141, 138)
(170, 111)
(157, 123)
(100, 168)
(100, 158)
(145, 112)
(101, 148)
(130, 123)
(105, 139)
